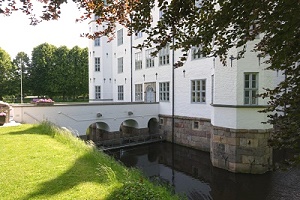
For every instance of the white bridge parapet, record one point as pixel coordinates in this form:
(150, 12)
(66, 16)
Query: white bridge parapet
(79, 116)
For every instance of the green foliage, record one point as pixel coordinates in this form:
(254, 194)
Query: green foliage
(138, 190)
(22, 63)
(6, 73)
(59, 73)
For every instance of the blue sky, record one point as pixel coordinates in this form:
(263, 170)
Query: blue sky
(17, 35)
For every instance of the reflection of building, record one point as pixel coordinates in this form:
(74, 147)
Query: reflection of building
(215, 105)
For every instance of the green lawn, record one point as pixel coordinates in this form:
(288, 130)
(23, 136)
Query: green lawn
(43, 162)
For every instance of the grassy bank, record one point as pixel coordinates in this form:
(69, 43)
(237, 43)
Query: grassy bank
(43, 162)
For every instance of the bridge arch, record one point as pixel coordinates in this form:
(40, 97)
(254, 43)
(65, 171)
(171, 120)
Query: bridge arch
(97, 131)
(129, 128)
(153, 126)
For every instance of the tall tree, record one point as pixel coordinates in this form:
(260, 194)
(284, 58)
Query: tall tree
(6, 74)
(79, 65)
(42, 61)
(22, 63)
(60, 72)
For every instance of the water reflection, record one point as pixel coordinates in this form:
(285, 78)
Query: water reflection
(190, 172)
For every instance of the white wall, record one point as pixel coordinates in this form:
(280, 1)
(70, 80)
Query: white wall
(80, 116)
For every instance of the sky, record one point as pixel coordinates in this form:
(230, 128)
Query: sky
(16, 33)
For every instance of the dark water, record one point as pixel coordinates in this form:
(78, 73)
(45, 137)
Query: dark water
(189, 172)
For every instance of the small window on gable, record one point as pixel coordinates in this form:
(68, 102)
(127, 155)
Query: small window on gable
(197, 52)
(196, 125)
(161, 121)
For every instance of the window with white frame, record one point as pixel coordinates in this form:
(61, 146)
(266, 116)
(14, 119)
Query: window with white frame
(97, 64)
(120, 65)
(138, 92)
(138, 35)
(164, 55)
(120, 92)
(197, 52)
(97, 41)
(198, 91)
(164, 91)
(120, 37)
(250, 88)
(138, 60)
(97, 92)
(149, 58)
(212, 88)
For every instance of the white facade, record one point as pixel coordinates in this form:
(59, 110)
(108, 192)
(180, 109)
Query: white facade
(223, 91)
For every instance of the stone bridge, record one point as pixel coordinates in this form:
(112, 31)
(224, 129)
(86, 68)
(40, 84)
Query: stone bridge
(95, 121)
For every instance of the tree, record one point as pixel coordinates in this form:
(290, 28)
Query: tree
(217, 25)
(60, 73)
(6, 73)
(79, 65)
(42, 61)
(22, 63)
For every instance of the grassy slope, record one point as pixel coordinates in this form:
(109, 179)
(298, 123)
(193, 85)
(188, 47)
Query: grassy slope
(37, 162)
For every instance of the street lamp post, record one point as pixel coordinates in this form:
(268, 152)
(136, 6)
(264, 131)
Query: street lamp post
(21, 84)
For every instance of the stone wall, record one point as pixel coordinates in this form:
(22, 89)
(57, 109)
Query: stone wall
(235, 150)
(241, 150)
(185, 132)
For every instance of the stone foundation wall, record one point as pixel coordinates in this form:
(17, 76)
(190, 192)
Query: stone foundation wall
(241, 150)
(185, 133)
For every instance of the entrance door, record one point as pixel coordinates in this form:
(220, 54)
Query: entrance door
(150, 94)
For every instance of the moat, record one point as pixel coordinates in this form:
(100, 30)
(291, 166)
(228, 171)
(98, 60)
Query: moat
(188, 171)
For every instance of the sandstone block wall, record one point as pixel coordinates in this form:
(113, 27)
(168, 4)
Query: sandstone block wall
(241, 150)
(185, 133)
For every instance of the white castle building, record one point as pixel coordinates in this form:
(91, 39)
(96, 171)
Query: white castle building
(215, 106)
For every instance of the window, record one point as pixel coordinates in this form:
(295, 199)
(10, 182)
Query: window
(97, 41)
(161, 13)
(120, 37)
(251, 88)
(164, 55)
(138, 60)
(97, 64)
(149, 58)
(198, 92)
(252, 30)
(212, 88)
(198, 3)
(120, 65)
(195, 125)
(161, 121)
(164, 91)
(197, 52)
(97, 92)
(120, 92)
(138, 35)
(138, 92)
